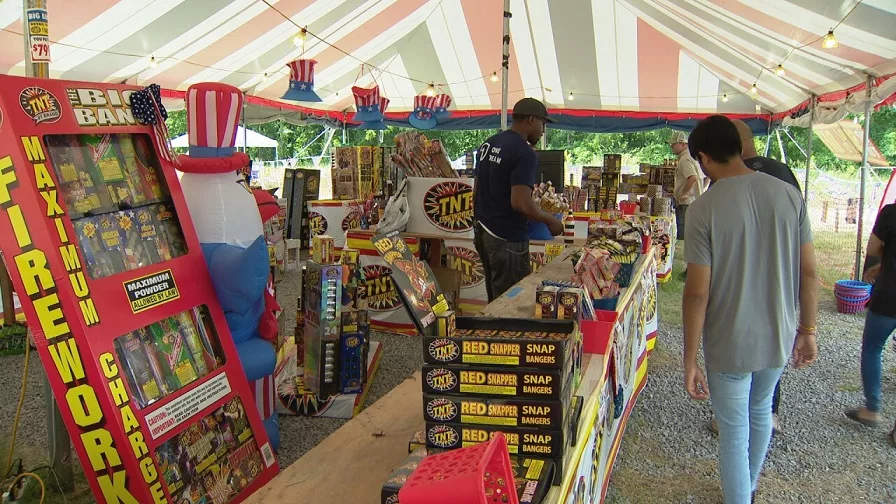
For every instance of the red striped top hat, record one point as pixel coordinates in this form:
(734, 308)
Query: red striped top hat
(213, 114)
(367, 103)
(423, 116)
(301, 81)
(377, 125)
(441, 111)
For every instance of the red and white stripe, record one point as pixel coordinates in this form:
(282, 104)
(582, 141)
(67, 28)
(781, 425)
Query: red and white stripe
(301, 70)
(365, 97)
(443, 101)
(384, 104)
(263, 392)
(424, 102)
(213, 113)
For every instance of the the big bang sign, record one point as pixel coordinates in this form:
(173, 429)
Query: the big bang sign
(441, 206)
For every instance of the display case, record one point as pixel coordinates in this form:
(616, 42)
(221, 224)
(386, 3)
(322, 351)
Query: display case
(101, 249)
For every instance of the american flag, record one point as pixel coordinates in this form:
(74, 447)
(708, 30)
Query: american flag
(366, 100)
(302, 71)
(213, 113)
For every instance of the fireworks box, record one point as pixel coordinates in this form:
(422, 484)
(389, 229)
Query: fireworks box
(520, 441)
(532, 477)
(575, 414)
(323, 320)
(511, 412)
(545, 344)
(490, 381)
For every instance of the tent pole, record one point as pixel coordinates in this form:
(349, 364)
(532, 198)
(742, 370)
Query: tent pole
(781, 146)
(768, 136)
(812, 103)
(865, 140)
(505, 63)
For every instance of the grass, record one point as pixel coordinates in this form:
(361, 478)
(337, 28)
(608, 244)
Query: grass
(669, 293)
(34, 460)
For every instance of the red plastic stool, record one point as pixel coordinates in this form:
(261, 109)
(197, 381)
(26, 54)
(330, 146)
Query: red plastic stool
(479, 474)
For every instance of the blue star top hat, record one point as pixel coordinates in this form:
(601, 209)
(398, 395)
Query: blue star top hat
(441, 111)
(423, 117)
(377, 125)
(301, 81)
(367, 103)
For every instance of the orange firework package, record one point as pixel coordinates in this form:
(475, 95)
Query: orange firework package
(114, 285)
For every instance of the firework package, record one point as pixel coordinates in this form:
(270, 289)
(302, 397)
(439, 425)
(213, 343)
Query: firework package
(322, 249)
(418, 156)
(414, 280)
(532, 477)
(336, 338)
(498, 382)
(548, 200)
(101, 247)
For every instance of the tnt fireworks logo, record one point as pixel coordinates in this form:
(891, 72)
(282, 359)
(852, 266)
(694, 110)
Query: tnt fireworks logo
(351, 221)
(449, 206)
(317, 223)
(466, 260)
(444, 350)
(441, 380)
(382, 296)
(40, 105)
(442, 436)
(441, 409)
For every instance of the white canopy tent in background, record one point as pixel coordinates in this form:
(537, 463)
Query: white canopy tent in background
(244, 137)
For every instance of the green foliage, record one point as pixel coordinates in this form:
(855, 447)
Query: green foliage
(581, 148)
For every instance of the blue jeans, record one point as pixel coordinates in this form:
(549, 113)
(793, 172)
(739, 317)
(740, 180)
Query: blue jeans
(742, 404)
(877, 329)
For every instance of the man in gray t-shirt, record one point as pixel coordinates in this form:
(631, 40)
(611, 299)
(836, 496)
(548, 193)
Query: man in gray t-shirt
(748, 244)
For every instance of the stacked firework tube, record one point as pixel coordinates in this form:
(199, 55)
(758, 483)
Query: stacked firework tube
(335, 337)
(418, 156)
(548, 200)
(516, 376)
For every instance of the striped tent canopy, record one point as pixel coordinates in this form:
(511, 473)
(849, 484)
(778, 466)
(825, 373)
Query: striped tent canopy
(584, 58)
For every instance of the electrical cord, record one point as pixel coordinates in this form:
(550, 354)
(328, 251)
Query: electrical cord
(15, 424)
(43, 489)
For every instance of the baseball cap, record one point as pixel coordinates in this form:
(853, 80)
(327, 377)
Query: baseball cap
(677, 137)
(532, 107)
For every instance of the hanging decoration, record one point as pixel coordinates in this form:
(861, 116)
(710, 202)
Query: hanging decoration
(377, 125)
(443, 101)
(423, 117)
(367, 103)
(147, 107)
(301, 81)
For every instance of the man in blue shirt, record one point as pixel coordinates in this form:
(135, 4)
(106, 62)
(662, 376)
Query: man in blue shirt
(502, 195)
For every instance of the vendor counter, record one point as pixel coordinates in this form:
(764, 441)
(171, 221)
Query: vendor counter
(351, 465)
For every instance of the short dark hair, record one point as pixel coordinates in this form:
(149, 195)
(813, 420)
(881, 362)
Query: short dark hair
(717, 137)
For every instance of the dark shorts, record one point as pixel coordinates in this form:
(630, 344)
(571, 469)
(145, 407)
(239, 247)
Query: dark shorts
(504, 263)
(680, 211)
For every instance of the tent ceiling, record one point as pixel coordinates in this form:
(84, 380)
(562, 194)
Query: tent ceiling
(639, 55)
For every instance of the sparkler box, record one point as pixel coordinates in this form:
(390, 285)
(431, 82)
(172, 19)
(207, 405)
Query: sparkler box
(441, 206)
(101, 249)
(546, 344)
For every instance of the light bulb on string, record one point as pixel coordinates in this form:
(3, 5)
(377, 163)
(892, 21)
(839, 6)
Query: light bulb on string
(570, 97)
(264, 78)
(299, 39)
(725, 98)
(152, 62)
(829, 41)
(754, 90)
(431, 90)
(494, 77)
(779, 71)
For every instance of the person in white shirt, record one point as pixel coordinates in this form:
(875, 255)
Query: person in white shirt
(688, 179)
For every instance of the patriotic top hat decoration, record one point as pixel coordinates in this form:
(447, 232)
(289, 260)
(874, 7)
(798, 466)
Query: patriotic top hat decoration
(441, 111)
(213, 114)
(367, 103)
(423, 117)
(377, 125)
(301, 81)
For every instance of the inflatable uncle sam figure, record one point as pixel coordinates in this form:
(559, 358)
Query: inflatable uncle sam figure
(229, 226)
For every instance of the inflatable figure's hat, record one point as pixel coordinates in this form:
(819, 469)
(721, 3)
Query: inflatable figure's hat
(213, 117)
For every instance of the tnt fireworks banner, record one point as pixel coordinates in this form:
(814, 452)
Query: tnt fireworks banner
(387, 312)
(332, 218)
(441, 206)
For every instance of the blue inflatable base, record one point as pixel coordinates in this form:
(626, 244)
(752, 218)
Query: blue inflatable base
(272, 427)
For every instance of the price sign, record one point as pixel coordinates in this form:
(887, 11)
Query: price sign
(38, 35)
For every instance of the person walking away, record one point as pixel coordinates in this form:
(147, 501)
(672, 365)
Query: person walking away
(688, 181)
(781, 172)
(502, 196)
(880, 321)
(748, 244)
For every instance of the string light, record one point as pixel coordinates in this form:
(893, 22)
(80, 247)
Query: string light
(152, 62)
(264, 78)
(431, 90)
(299, 39)
(780, 71)
(830, 41)
(494, 77)
(725, 98)
(754, 90)
(570, 97)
